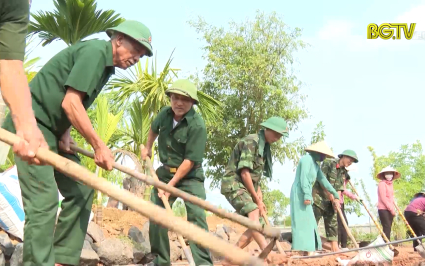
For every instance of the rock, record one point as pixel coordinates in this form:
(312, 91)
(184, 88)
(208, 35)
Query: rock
(221, 233)
(145, 232)
(2, 259)
(233, 238)
(175, 252)
(87, 245)
(148, 259)
(228, 229)
(95, 247)
(136, 235)
(140, 251)
(88, 238)
(172, 236)
(113, 251)
(17, 255)
(6, 245)
(88, 257)
(95, 232)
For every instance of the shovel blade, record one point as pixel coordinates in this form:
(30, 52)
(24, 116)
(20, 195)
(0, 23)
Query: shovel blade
(420, 249)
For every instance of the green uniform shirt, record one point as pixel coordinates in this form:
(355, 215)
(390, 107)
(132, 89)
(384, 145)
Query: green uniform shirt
(187, 140)
(85, 66)
(250, 152)
(335, 175)
(14, 19)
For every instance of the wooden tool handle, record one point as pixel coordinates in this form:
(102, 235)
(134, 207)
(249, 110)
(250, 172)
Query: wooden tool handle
(155, 213)
(266, 230)
(347, 229)
(384, 236)
(279, 247)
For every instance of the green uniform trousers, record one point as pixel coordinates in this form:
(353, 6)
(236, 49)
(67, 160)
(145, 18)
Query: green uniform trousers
(158, 235)
(43, 243)
(329, 218)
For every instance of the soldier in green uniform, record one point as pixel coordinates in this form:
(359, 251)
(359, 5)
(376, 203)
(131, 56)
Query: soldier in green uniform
(250, 159)
(182, 138)
(61, 93)
(14, 18)
(335, 172)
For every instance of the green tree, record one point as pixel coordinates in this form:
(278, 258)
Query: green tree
(276, 203)
(249, 70)
(72, 21)
(179, 209)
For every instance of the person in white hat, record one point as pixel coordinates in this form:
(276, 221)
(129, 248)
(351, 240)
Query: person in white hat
(386, 209)
(305, 236)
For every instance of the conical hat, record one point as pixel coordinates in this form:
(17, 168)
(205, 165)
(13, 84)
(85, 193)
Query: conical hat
(388, 169)
(321, 147)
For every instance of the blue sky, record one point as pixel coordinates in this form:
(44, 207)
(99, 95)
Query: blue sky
(366, 92)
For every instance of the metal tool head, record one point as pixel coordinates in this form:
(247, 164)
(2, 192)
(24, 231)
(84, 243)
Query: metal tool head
(420, 249)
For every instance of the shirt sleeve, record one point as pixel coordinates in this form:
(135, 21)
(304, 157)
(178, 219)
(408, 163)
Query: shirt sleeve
(196, 142)
(349, 194)
(89, 65)
(325, 183)
(246, 159)
(304, 182)
(14, 29)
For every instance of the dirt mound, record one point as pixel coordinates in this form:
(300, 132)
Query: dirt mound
(117, 222)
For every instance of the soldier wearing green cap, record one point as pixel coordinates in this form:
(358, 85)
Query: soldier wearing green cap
(182, 138)
(335, 172)
(62, 91)
(249, 160)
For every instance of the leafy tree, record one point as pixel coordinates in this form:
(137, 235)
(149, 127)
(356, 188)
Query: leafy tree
(276, 203)
(72, 21)
(409, 160)
(179, 209)
(249, 70)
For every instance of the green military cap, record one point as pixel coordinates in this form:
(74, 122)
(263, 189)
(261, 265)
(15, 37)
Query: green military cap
(349, 153)
(184, 87)
(277, 124)
(136, 30)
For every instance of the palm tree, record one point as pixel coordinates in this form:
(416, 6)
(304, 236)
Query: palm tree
(72, 21)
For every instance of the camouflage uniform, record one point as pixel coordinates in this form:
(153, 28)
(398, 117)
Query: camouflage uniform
(252, 152)
(322, 205)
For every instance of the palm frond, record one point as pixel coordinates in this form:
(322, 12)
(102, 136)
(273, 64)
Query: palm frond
(72, 21)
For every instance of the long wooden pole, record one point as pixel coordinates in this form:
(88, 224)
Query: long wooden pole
(155, 213)
(167, 206)
(374, 221)
(347, 229)
(266, 230)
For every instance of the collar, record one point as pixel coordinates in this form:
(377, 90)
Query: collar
(261, 142)
(109, 55)
(337, 165)
(188, 116)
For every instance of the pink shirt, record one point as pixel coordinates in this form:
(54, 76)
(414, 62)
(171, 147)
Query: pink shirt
(347, 193)
(416, 204)
(386, 196)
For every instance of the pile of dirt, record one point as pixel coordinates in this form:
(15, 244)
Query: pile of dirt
(117, 222)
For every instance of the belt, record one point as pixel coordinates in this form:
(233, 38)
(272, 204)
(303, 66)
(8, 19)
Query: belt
(173, 170)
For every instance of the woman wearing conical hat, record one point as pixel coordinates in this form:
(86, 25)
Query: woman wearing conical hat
(386, 209)
(305, 236)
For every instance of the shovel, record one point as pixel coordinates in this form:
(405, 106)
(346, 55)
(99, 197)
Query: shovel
(347, 229)
(420, 249)
(145, 208)
(279, 247)
(185, 248)
(396, 252)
